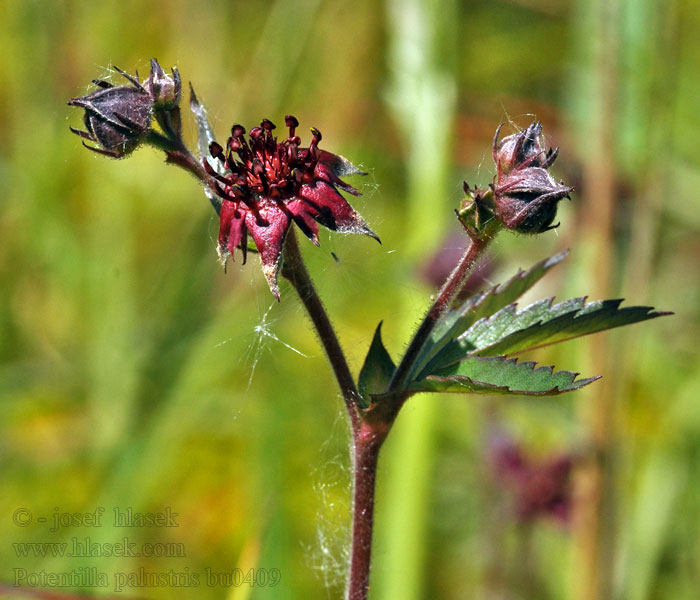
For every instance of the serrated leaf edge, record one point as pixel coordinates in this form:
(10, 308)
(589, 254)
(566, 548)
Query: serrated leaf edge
(577, 313)
(549, 302)
(575, 383)
(545, 264)
(485, 320)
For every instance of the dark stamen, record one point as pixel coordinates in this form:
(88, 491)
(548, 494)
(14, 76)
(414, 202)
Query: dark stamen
(216, 151)
(291, 122)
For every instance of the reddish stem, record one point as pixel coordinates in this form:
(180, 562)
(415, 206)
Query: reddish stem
(367, 438)
(178, 154)
(366, 446)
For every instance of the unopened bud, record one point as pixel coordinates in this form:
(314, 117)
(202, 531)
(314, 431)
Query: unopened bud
(526, 200)
(118, 118)
(521, 150)
(164, 89)
(525, 195)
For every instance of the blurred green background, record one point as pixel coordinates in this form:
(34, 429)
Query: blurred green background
(135, 373)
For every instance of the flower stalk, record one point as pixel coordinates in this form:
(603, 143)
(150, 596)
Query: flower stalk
(294, 270)
(366, 445)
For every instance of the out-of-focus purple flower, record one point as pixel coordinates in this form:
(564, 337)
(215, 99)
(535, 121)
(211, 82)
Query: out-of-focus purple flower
(537, 487)
(441, 263)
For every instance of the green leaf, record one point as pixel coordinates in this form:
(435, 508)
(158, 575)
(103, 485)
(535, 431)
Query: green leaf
(562, 322)
(510, 332)
(500, 375)
(490, 301)
(457, 321)
(377, 370)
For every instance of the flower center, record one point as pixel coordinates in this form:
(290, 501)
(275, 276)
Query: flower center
(260, 167)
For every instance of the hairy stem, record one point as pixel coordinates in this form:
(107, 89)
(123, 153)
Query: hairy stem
(367, 442)
(444, 299)
(294, 270)
(178, 154)
(188, 162)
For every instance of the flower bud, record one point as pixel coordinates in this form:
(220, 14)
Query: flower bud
(164, 89)
(118, 118)
(522, 149)
(525, 195)
(526, 200)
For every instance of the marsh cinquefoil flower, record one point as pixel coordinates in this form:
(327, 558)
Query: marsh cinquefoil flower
(266, 185)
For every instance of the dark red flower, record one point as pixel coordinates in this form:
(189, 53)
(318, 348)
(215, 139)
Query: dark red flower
(266, 185)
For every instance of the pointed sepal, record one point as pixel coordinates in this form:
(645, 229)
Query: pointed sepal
(376, 371)
(205, 136)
